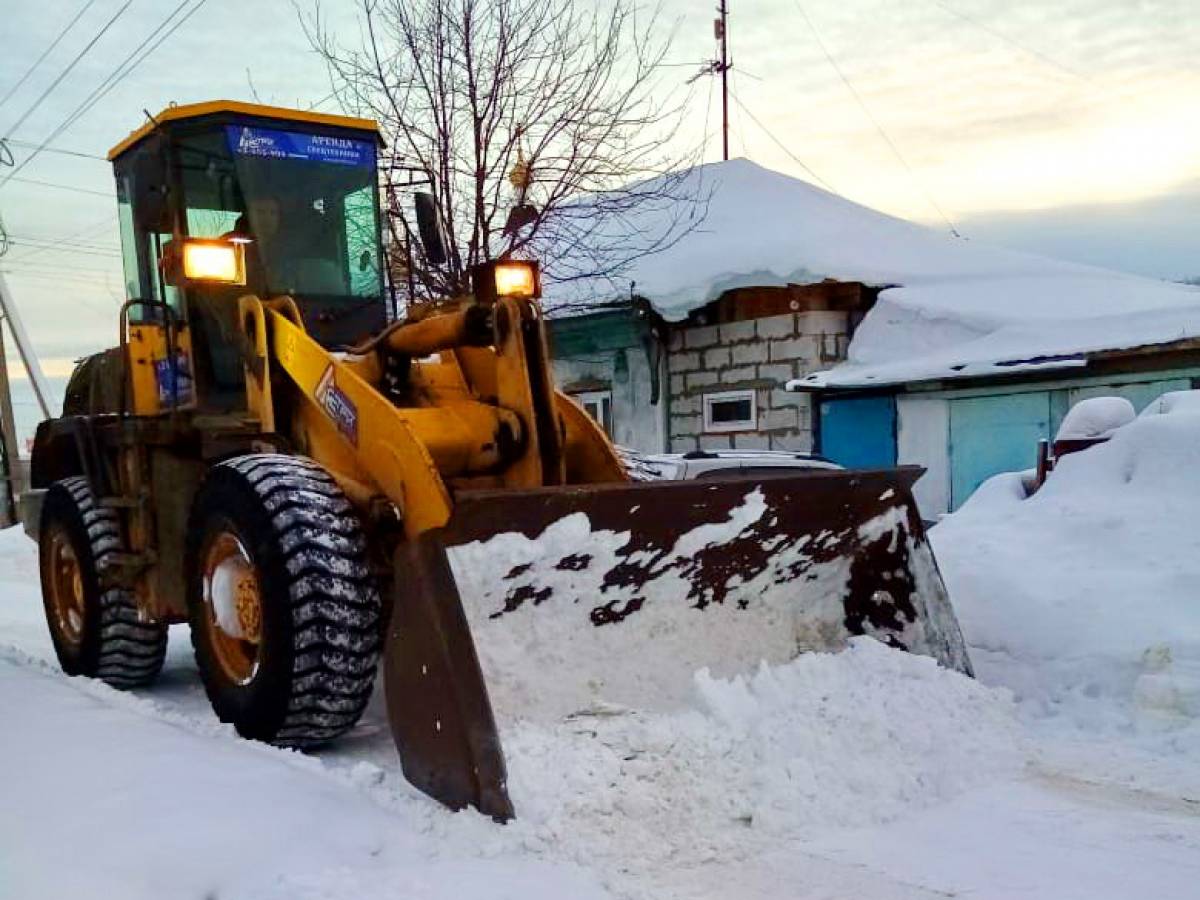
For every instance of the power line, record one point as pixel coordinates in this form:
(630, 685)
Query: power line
(118, 74)
(62, 187)
(53, 268)
(87, 230)
(78, 241)
(62, 34)
(67, 69)
(81, 249)
(123, 69)
(1036, 54)
(878, 127)
(30, 145)
(778, 143)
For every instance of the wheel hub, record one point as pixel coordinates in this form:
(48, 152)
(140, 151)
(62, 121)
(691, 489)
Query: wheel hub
(66, 587)
(233, 600)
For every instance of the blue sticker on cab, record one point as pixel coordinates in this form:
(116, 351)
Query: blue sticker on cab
(269, 143)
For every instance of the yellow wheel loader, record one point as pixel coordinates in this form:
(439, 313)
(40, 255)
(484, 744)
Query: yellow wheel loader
(313, 485)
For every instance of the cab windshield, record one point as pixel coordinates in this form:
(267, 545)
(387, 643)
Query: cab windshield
(304, 205)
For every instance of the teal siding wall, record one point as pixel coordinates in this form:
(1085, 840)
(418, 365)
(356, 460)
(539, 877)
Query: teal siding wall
(995, 433)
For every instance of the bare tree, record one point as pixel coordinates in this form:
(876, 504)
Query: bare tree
(541, 126)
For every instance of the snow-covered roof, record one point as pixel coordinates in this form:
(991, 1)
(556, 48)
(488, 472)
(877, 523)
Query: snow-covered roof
(952, 307)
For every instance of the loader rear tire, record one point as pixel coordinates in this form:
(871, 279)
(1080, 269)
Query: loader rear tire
(96, 629)
(285, 613)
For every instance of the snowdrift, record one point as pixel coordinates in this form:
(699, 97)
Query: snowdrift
(1083, 597)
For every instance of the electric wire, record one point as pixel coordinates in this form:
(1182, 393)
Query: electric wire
(118, 74)
(87, 231)
(37, 62)
(782, 146)
(871, 117)
(80, 249)
(1030, 51)
(67, 69)
(79, 241)
(62, 187)
(30, 145)
(125, 67)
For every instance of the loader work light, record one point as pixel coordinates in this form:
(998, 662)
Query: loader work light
(516, 279)
(220, 262)
(511, 278)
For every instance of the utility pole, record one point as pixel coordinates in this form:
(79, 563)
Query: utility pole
(719, 66)
(723, 65)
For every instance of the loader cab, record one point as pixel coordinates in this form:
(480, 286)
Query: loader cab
(219, 200)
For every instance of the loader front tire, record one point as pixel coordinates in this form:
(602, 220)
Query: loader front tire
(285, 613)
(95, 627)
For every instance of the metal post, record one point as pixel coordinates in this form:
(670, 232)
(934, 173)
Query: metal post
(41, 389)
(8, 443)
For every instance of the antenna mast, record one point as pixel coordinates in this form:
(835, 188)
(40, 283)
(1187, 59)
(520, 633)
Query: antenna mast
(723, 65)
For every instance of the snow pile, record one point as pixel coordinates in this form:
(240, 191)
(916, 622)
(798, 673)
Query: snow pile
(1096, 417)
(826, 740)
(952, 308)
(1174, 401)
(1082, 598)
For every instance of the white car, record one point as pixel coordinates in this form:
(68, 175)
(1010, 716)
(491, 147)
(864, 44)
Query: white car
(716, 463)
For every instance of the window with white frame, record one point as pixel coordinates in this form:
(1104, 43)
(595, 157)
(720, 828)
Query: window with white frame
(598, 405)
(730, 411)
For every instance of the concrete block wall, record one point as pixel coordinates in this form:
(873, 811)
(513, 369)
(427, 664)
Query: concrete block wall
(757, 354)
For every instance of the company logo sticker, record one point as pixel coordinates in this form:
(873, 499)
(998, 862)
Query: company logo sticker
(337, 405)
(174, 380)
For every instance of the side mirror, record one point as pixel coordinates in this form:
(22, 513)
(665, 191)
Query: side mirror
(429, 228)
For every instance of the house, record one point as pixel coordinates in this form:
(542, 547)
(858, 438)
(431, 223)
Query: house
(692, 348)
(714, 380)
(796, 319)
(965, 426)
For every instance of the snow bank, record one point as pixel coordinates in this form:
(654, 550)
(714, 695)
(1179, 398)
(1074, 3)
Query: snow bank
(827, 740)
(1173, 401)
(1082, 598)
(108, 795)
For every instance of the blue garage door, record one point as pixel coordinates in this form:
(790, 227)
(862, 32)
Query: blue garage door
(859, 433)
(989, 435)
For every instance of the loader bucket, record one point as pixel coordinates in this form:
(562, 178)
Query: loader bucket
(595, 596)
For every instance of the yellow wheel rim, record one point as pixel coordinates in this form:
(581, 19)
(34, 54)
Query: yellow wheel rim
(233, 604)
(66, 588)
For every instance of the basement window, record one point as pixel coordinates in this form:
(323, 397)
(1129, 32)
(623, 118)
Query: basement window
(598, 405)
(730, 411)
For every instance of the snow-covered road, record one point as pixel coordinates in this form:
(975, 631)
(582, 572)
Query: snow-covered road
(869, 774)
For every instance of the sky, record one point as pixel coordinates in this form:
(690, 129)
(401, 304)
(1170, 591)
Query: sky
(1068, 128)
